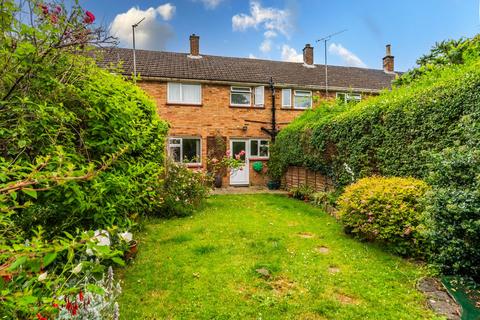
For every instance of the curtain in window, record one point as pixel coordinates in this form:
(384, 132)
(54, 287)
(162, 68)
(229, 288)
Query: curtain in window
(174, 92)
(191, 93)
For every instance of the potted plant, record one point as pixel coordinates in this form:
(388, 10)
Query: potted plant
(218, 166)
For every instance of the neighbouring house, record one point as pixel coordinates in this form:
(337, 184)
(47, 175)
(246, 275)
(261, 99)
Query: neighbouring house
(214, 100)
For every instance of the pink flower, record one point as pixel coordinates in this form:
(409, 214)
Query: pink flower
(58, 9)
(44, 8)
(227, 153)
(53, 19)
(237, 156)
(214, 160)
(242, 153)
(89, 17)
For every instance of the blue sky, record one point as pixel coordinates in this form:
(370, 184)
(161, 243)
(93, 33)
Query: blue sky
(280, 29)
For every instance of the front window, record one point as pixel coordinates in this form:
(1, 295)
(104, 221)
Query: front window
(349, 97)
(185, 150)
(241, 96)
(286, 98)
(184, 93)
(259, 148)
(302, 99)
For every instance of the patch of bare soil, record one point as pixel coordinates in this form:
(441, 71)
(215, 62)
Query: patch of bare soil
(333, 269)
(310, 316)
(282, 286)
(438, 298)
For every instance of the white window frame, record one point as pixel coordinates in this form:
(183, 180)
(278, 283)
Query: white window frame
(349, 96)
(181, 93)
(284, 103)
(258, 156)
(296, 93)
(181, 149)
(246, 90)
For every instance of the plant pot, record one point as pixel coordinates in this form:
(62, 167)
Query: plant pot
(132, 250)
(273, 185)
(218, 181)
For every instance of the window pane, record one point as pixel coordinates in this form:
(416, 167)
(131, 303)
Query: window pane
(341, 96)
(254, 148)
(302, 93)
(174, 153)
(191, 93)
(240, 98)
(174, 92)
(237, 148)
(191, 150)
(302, 102)
(259, 93)
(286, 97)
(264, 148)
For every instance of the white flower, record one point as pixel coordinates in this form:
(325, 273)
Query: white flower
(43, 276)
(77, 269)
(89, 252)
(126, 236)
(102, 237)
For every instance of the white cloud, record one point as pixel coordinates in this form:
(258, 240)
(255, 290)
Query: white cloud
(210, 4)
(290, 54)
(348, 57)
(151, 33)
(273, 19)
(251, 56)
(269, 34)
(266, 46)
(166, 11)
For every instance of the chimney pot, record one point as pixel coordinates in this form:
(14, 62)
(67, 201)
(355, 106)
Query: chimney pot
(194, 45)
(388, 60)
(308, 54)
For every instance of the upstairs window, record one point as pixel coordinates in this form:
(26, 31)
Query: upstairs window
(185, 150)
(349, 97)
(286, 98)
(302, 99)
(184, 93)
(259, 148)
(242, 96)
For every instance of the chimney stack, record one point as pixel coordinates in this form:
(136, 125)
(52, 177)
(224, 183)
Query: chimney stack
(194, 45)
(308, 55)
(388, 60)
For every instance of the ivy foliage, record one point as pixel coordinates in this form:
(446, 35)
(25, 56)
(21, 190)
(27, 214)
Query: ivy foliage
(392, 134)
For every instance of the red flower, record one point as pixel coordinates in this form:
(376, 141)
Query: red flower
(53, 19)
(58, 9)
(89, 17)
(80, 296)
(7, 278)
(55, 305)
(40, 317)
(44, 8)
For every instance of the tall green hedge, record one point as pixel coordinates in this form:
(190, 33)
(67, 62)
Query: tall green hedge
(391, 134)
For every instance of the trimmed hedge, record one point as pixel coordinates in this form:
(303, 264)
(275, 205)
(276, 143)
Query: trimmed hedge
(386, 210)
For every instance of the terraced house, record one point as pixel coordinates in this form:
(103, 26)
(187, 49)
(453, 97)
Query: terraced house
(239, 101)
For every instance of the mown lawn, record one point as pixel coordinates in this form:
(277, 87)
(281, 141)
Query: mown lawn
(204, 267)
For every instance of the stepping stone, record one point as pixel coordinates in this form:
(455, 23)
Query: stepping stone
(333, 270)
(322, 249)
(306, 235)
(263, 272)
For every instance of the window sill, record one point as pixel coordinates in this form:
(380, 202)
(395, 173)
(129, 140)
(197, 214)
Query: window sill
(294, 109)
(258, 158)
(247, 107)
(173, 104)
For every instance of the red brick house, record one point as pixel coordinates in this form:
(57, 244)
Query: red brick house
(205, 97)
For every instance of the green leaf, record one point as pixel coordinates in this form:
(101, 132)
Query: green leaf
(31, 192)
(95, 289)
(49, 258)
(118, 261)
(20, 261)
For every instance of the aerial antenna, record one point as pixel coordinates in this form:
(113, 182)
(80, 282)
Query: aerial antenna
(325, 39)
(134, 57)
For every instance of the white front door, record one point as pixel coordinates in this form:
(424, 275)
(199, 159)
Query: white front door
(240, 176)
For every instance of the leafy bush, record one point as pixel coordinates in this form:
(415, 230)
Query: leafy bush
(387, 210)
(389, 135)
(183, 190)
(302, 192)
(454, 211)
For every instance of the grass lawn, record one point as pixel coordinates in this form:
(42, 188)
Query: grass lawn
(204, 267)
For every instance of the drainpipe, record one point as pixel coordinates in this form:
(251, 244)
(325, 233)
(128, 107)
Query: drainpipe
(274, 119)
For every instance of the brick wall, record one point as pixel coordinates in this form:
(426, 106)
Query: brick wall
(296, 176)
(216, 117)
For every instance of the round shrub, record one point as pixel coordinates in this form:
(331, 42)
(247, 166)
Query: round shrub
(387, 210)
